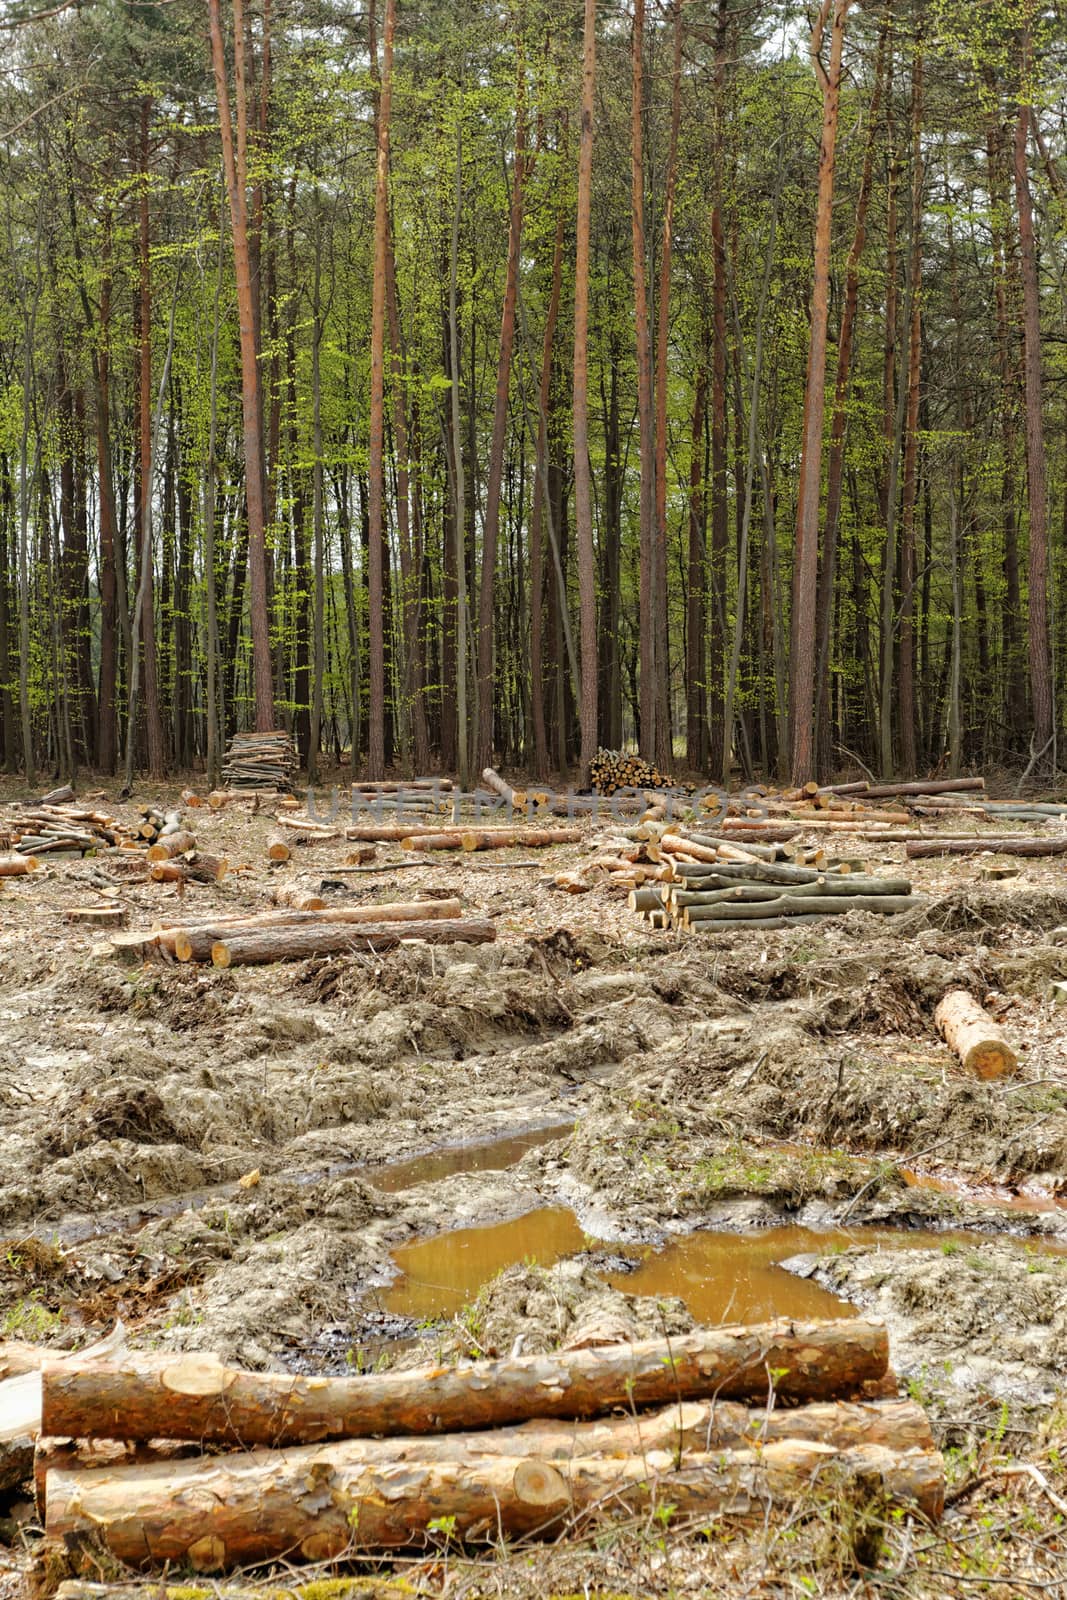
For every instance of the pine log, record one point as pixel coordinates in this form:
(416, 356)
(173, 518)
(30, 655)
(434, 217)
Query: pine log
(196, 1397)
(693, 1425)
(277, 847)
(976, 1039)
(17, 866)
(515, 798)
(509, 838)
(296, 943)
(976, 845)
(175, 844)
(386, 833)
(438, 840)
(225, 1511)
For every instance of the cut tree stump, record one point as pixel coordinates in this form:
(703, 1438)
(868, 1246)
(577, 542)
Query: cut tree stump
(977, 1040)
(224, 1511)
(278, 847)
(197, 1397)
(97, 916)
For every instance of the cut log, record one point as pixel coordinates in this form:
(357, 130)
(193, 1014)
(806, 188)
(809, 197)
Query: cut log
(278, 847)
(515, 798)
(694, 1425)
(225, 1511)
(97, 916)
(197, 869)
(886, 791)
(196, 1397)
(753, 924)
(916, 849)
(196, 942)
(57, 797)
(297, 898)
(726, 873)
(17, 866)
(977, 1040)
(175, 844)
(297, 942)
(437, 840)
(818, 905)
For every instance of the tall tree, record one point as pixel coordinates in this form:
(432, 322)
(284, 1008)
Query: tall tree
(583, 497)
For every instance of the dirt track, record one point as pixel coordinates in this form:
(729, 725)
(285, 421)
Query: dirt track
(195, 1151)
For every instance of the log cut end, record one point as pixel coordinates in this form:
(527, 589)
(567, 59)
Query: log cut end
(977, 1040)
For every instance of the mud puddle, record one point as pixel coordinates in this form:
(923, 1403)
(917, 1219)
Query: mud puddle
(446, 1161)
(720, 1277)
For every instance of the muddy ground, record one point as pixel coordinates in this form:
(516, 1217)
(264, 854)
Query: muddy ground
(208, 1156)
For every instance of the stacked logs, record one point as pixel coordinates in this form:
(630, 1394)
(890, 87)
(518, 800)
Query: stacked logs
(294, 931)
(260, 761)
(321, 1467)
(610, 770)
(708, 885)
(36, 829)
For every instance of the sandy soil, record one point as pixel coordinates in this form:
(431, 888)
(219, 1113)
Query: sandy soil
(195, 1151)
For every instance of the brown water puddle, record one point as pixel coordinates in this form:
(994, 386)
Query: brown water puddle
(1027, 1200)
(494, 1156)
(721, 1277)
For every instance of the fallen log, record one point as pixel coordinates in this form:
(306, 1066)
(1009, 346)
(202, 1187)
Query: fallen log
(296, 942)
(694, 1425)
(175, 844)
(886, 791)
(515, 798)
(17, 866)
(197, 1397)
(977, 1040)
(197, 869)
(278, 847)
(754, 924)
(224, 1511)
(816, 904)
(916, 849)
(196, 941)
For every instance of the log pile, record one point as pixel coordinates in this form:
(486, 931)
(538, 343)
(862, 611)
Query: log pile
(260, 761)
(611, 770)
(708, 885)
(37, 829)
(316, 1468)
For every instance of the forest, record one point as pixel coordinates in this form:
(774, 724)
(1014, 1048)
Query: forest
(485, 382)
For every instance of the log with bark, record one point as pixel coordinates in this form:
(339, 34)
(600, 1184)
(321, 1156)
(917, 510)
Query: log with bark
(978, 1041)
(97, 916)
(490, 839)
(315, 1504)
(1056, 845)
(174, 844)
(515, 798)
(297, 942)
(196, 941)
(693, 1425)
(198, 868)
(297, 897)
(278, 847)
(17, 866)
(787, 905)
(197, 1397)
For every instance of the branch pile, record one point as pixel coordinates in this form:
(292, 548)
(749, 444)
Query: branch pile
(321, 1467)
(35, 828)
(260, 761)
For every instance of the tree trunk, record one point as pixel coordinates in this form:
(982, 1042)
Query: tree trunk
(906, 699)
(649, 585)
(1040, 654)
(583, 489)
(806, 559)
(236, 174)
